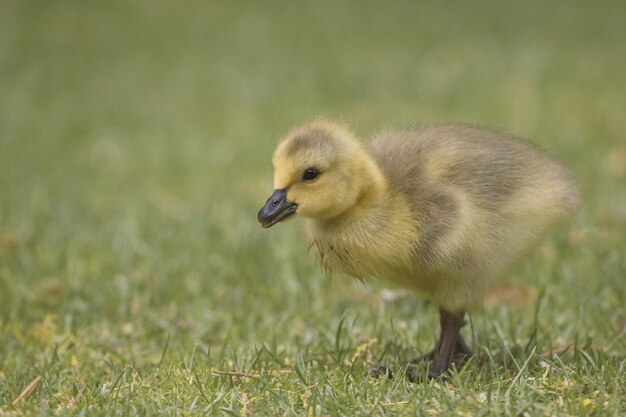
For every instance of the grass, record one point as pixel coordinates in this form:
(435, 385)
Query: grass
(135, 140)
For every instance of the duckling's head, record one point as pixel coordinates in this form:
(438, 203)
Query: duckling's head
(320, 172)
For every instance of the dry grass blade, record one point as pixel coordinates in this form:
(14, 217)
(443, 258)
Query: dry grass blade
(28, 391)
(255, 375)
(232, 373)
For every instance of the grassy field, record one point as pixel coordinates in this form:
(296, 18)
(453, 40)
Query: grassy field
(135, 145)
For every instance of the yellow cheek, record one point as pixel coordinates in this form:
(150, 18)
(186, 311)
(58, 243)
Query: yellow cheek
(295, 194)
(308, 198)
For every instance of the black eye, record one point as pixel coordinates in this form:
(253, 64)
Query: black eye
(310, 174)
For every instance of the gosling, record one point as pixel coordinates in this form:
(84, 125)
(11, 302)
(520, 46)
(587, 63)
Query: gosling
(444, 211)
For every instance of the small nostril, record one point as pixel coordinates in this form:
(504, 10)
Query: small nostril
(275, 202)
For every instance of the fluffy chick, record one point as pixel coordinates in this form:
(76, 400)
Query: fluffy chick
(444, 211)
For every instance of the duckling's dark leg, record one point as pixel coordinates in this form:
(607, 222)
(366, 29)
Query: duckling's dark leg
(460, 349)
(450, 344)
(451, 324)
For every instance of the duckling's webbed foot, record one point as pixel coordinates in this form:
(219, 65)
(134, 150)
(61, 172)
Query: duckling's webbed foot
(450, 344)
(381, 371)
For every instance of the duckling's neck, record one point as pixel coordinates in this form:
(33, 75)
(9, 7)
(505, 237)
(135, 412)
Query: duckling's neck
(374, 190)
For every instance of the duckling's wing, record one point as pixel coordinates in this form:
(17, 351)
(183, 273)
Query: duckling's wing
(471, 189)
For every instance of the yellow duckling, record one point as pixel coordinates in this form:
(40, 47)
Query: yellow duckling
(445, 211)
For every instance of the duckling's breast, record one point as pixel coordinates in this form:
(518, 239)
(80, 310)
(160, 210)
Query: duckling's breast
(373, 261)
(338, 256)
(379, 243)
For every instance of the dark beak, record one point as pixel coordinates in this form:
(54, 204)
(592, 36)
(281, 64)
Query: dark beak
(276, 208)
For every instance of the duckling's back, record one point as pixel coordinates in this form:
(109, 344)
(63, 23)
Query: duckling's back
(482, 199)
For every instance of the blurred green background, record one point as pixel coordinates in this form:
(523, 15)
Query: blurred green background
(135, 145)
